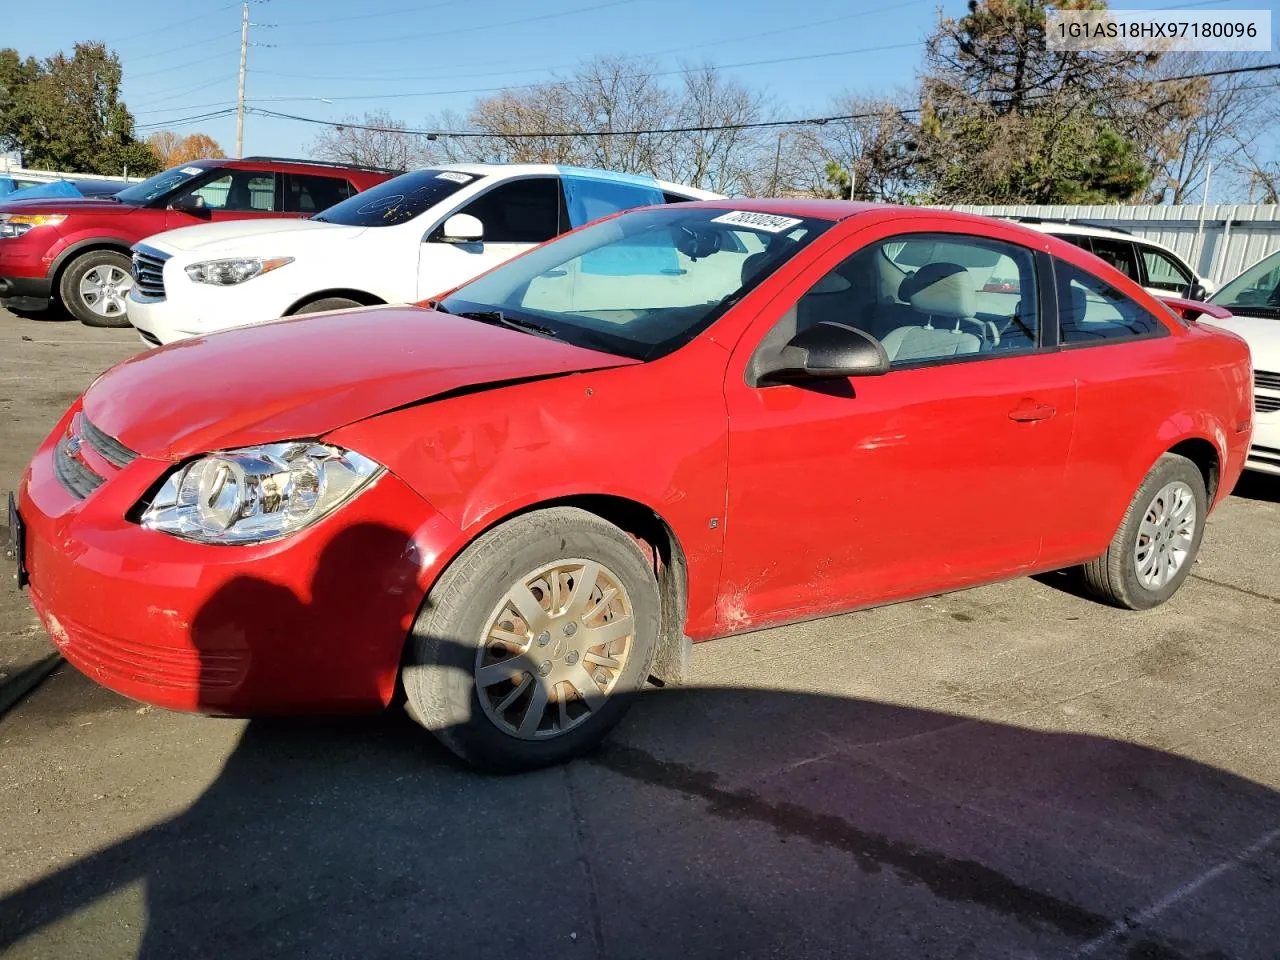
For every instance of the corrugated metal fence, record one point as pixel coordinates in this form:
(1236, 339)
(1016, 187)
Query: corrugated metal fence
(1235, 235)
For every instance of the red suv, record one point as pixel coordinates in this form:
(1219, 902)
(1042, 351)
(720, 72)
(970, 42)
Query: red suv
(76, 250)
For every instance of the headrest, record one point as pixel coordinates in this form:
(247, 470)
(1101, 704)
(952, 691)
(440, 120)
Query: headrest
(1079, 303)
(940, 290)
(753, 265)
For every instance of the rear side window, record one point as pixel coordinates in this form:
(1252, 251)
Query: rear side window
(309, 193)
(1092, 311)
(1120, 254)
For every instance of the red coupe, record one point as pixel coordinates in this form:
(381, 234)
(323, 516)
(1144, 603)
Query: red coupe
(520, 501)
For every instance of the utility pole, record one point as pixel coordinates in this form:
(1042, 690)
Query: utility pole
(244, 55)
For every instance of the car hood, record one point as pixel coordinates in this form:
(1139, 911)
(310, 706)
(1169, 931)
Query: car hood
(1261, 333)
(66, 205)
(305, 376)
(247, 236)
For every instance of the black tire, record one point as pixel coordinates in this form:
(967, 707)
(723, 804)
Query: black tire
(69, 287)
(440, 660)
(1113, 577)
(327, 303)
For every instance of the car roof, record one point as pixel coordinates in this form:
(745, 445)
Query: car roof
(1066, 228)
(552, 169)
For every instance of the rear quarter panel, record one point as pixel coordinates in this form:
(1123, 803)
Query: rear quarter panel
(1135, 402)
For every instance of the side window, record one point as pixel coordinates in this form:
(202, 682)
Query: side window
(240, 191)
(1118, 253)
(310, 193)
(1092, 311)
(1163, 272)
(674, 198)
(932, 297)
(1076, 239)
(519, 211)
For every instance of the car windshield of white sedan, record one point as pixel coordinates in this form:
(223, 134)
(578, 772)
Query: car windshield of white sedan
(398, 200)
(639, 285)
(1257, 290)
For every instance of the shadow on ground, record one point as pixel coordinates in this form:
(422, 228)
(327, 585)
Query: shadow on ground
(716, 823)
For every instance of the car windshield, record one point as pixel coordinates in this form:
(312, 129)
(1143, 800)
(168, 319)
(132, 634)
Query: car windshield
(157, 186)
(1257, 290)
(398, 200)
(641, 284)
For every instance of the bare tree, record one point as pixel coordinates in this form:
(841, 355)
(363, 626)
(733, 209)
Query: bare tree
(868, 157)
(374, 140)
(728, 156)
(1230, 113)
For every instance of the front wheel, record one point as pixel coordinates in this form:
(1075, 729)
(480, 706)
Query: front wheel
(327, 303)
(532, 644)
(94, 287)
(1159, 537)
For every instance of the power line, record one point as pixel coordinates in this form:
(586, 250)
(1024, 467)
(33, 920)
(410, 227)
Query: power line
(215, 115)
(450, 74)
(185, 46)
(185, 66)
(171, 25)
(419, 8)
(473, 29)
(707, 128)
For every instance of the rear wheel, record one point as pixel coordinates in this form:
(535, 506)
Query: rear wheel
(94, 287)
(327, 303)
(532, 644)
(1156, 545)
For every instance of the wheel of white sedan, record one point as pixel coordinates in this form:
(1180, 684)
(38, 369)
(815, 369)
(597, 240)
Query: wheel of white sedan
(1152, 552)
(533, 643)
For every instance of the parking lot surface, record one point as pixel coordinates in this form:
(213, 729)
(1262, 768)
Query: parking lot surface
(1012, 771)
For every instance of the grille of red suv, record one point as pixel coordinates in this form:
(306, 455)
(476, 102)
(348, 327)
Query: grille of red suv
(82, 474)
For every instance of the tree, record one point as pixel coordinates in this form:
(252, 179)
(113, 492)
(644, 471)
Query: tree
(65, 113)
(1005, 119)
(171, 150)
(622, 99)
(871, 155)
(1231, 114)
(386, 145)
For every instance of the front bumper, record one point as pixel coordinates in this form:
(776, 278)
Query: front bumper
(26, 293)
(190, 309)
(314, 621)
(1264, 450)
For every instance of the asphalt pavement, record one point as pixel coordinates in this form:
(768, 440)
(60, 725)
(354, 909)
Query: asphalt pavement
(1012, 771)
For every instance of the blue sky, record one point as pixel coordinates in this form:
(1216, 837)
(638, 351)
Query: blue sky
(414, 59)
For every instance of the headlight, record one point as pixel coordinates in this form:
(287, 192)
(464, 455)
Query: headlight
(257, 493)
(226, 273)
(16, 224)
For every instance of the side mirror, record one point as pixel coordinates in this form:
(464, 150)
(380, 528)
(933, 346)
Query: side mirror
(462, 228)
(192, 203)
(827, 351)
(1197, 292)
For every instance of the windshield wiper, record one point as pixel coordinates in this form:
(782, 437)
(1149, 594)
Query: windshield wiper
(498, 318)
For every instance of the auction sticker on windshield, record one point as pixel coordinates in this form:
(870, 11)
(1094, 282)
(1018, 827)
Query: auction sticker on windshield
(455, 177)
(191, 171)
(768, 222)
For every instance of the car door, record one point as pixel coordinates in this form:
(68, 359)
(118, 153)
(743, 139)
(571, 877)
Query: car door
(233, 194)
(516, 215)
(936, 474)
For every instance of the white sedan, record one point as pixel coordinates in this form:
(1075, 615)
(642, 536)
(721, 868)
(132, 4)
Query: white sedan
(405, 240)
(1254, 301)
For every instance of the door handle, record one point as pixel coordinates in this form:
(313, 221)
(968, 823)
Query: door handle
(1028, 411)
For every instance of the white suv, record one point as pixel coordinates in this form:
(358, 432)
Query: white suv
(1161, 271)
(404, 240)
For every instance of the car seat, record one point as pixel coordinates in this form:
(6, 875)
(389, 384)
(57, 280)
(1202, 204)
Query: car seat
(943, 292)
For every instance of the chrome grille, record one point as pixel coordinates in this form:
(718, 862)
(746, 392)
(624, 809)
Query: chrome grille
(80, 475)
(71, 471)
(1265, 404)
(148, 273)
(109, 448)
(1266, 380)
